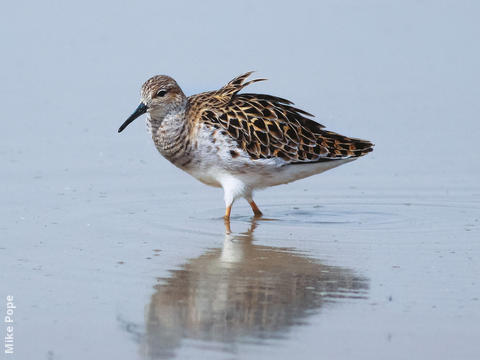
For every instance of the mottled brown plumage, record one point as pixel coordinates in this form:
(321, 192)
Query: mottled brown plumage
(240, 142)
(267, 126)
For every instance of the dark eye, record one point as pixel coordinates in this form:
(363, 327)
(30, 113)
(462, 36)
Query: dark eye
(161, 93)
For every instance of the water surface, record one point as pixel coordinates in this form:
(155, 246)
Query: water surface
(112, 253)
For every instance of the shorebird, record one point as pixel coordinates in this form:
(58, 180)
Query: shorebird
(240, 141)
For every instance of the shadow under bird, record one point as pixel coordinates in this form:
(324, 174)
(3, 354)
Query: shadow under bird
(240, 142)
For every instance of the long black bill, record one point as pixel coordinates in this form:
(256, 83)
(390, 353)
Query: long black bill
(140, 110)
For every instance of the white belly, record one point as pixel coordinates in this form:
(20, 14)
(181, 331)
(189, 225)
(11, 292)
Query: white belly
(241, 179)
(213, 164)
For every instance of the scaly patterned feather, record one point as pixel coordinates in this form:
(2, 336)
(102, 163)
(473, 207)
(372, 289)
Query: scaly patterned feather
(266, 126)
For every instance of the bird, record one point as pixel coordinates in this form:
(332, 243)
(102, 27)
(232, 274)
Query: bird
(241, 142)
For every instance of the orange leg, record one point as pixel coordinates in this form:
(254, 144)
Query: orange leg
(228, 210)
(228, 230)
(255, 208)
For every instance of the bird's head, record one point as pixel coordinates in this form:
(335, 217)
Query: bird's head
(160, 95)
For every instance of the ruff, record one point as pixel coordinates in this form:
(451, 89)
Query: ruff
(240, 142)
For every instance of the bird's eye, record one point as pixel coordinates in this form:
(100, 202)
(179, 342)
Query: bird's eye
(161, 93)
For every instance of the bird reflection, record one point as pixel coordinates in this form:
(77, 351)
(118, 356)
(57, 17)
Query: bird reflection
(241, 292)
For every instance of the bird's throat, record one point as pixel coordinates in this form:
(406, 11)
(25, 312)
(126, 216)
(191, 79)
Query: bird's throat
(169, 134)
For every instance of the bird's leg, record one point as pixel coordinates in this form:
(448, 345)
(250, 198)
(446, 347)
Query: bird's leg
(226, 221)
(229, 200)
(256, 210)
(228, 210)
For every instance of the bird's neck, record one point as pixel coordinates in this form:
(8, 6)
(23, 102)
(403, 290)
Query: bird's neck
(169, 133)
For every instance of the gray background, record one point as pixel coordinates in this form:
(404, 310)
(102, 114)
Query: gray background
(403, 74)
(77, 197)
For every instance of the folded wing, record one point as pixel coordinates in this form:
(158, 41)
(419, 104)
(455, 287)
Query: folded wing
(266, 126)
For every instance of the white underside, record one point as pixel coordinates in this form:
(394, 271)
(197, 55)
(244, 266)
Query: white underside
(239, 176)
(242, 185)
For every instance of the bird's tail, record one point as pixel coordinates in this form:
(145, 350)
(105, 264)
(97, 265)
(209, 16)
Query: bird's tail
(341, 146)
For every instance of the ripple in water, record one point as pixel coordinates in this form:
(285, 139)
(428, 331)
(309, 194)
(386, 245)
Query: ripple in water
(432, 214)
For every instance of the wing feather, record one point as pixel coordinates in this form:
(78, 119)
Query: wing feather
(267, 126)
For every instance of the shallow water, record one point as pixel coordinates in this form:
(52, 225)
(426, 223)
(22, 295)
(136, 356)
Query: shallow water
(326, 271)
(112, 253)
(240, 293)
